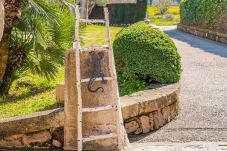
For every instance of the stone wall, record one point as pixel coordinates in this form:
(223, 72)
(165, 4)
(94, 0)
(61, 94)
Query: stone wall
(153, 110)
(143, 112)
(205, 33)
(43, 129)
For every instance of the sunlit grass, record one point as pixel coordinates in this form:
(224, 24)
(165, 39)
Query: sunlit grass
(96, 35)
(12, 106)
(160, 19)
(33, 93)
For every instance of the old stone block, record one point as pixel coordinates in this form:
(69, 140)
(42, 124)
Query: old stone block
(151, 118)
(145, 124)
(166, 113)
(130, 111)
(60, 89)
(13, 137)
(13, 143)
(138, 131)
(40, 137)
(158, 119)
(131, 126)
(56, 143)
(172, 111)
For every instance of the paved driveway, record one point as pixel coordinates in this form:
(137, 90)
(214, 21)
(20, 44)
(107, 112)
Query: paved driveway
(203, 114)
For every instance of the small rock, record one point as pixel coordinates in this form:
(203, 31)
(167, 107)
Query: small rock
(158, 119)
(151, 118)
(40, 137)
(145, 124)
(14, 137)
(56, 143)
(13, 143)
(172, 111)
(138, 131)
(131, 126)
(166, 113)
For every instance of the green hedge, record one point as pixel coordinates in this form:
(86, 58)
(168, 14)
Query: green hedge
(122, 13)
(206, 13)
(144, 55)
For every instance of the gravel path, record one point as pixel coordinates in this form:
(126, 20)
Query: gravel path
(203, 114)
(165, 146)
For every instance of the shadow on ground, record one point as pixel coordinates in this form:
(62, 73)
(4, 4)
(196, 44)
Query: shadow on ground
(207, 45)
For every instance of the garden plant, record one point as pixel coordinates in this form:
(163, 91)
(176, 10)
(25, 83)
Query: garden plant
(144, 55)
(210, 14)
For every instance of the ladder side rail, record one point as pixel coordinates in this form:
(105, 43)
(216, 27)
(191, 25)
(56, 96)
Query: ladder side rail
(76, 43)
(78, 82)
(113, 73)
(107, 24)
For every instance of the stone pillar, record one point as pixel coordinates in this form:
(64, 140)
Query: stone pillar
(93, 123)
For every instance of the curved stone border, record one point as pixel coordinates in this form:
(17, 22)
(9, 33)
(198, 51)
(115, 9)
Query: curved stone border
(205, 33)
(151, 109)
(142, 112)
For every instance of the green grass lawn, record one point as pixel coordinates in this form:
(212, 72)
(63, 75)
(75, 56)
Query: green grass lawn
(33, 93)
(169, 18)
(160, 21)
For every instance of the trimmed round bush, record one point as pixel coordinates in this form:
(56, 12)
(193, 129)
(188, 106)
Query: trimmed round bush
(145, 55)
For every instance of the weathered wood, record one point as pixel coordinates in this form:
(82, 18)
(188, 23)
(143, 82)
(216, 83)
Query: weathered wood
(102, 108)
(118, 113)
(97, 79)
(91, 138)
(1, 18)
(96, 48)
(70, 107)
(90, 21)
(120, 1)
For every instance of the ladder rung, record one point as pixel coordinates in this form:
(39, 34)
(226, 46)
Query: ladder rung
(97, 79)
(96, 109)
(92, 21)
(121, 1)
(95, 137)
(95, 48)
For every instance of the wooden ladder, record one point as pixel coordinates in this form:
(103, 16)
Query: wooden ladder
(116, 106)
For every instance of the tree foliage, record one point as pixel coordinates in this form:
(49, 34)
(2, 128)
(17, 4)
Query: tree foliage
(206, 13)
(38, 41)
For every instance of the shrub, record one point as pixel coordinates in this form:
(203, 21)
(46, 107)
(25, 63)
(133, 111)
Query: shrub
(168, 17)
(144, 55)
(203, 12)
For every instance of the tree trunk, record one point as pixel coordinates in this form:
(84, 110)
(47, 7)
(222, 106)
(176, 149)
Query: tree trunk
(12, 17)
(7, 81)
(17, 57)
(4, 50)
